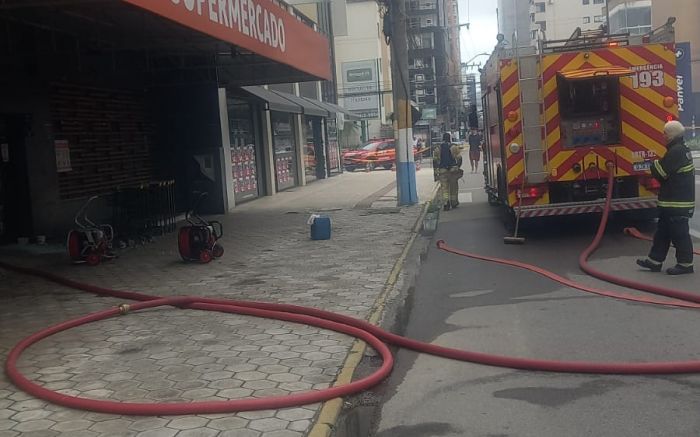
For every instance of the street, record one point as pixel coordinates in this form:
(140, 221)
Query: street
(483, 307)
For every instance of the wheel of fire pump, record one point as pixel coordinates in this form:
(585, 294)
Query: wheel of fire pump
(93, 258)
(183, 243)
(217, 251)
(73, 245)
(205, 256)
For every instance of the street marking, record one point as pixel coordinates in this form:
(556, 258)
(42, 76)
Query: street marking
(474, 293)
(464, 197)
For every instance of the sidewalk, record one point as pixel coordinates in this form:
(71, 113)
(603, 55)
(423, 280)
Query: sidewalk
(166, 355)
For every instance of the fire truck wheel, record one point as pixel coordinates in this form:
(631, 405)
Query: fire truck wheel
(92, 259)
(493, 200)
(217, 251)
(205, 256)
(387, 166)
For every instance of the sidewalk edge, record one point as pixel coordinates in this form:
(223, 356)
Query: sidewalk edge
(330, 410)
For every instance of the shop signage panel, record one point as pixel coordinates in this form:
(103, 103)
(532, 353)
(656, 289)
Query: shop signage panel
(684, 79)
(361, 88)
(260, 26)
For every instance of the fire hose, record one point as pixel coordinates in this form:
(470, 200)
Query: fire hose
(376, 337)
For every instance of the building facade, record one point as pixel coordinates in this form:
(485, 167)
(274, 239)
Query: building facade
(124, 115)
(557, 20)
(434, 62)
(363, 69)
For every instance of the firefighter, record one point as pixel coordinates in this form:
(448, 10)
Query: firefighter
(448, 170)
(676, 173)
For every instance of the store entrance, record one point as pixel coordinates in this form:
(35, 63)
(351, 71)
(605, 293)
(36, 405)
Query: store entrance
(15, 200)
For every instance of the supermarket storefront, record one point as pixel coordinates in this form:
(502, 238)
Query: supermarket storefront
(98, 96)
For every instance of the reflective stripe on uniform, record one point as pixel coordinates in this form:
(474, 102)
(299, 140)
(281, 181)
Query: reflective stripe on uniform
(687, 169)
(667, 204)
(660, 169)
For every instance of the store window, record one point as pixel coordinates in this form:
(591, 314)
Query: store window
(283, 144)
(314, 156)
(244, 150)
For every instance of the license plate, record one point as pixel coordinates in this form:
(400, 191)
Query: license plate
(642, 166)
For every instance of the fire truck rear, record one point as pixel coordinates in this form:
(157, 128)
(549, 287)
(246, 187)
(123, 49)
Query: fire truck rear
(557, 119)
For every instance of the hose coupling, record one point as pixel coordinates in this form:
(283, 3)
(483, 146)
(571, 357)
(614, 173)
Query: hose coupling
(124, 309)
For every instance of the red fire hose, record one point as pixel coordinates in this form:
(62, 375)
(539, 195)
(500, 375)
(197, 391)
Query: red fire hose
(373, 335)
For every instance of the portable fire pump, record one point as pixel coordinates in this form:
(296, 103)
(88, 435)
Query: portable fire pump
(198, 240)
(89, 243)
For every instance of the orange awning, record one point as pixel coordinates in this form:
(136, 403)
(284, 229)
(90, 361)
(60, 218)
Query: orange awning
(588, 73)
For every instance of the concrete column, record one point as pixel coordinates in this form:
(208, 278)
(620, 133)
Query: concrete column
(405, 165)
(299, 140)
(268, 155)
(226, 166)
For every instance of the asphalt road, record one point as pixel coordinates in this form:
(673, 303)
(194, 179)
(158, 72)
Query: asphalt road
(484, 307)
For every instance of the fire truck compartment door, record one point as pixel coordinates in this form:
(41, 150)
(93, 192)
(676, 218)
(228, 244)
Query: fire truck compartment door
(598, 72)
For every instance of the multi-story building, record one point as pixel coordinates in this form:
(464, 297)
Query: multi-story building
(556, 20)
(433, 60)
(548, 19)
(363, 69)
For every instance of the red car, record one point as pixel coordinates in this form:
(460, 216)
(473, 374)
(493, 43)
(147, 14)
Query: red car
(376, 153)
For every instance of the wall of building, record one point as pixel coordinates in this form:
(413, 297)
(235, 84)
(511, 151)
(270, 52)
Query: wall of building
(687, 13)
(510, 14)
(365, 41)
(558, 19)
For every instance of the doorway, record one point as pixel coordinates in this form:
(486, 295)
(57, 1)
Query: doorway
(15, 200)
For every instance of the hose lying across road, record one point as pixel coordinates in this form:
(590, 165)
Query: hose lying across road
(373, 335)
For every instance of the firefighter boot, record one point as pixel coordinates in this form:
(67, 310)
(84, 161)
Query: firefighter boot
(680, 269)
(649, 264)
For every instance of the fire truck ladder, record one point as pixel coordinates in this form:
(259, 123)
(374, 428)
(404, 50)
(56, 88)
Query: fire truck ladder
(531, 86)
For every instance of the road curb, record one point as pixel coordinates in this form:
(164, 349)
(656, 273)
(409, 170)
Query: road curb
(330, 410)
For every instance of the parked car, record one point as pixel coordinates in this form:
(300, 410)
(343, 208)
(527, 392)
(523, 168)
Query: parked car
(376, 153)
(371, 155)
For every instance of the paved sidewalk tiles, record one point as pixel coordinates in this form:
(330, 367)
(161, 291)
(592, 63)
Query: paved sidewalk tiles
(167, 355)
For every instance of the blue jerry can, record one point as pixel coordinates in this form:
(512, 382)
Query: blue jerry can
(320, 227)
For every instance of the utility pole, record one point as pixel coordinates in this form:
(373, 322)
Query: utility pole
(405, 163)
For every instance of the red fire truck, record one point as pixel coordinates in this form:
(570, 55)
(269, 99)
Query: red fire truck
(556, 117)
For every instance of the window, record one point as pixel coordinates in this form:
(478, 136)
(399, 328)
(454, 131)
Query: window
(532, 18)
(540, 7)
(420, 78)
(418, 63)
(586, 2)
(599, 19)
(533, 34)
(598, 2)
(420, 92)
(422, 41)
(542, 25)
(586, 20)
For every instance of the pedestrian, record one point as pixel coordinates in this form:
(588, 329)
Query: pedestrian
(448, 172)
(676, 174)
(475, 141)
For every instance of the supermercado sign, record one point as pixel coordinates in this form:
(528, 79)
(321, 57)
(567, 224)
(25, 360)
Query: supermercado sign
(256, 25)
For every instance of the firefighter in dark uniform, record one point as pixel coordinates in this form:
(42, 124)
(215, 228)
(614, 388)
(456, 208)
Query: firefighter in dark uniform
(676, 173)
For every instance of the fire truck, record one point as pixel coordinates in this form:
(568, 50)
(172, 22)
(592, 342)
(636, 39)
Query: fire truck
(560, 116)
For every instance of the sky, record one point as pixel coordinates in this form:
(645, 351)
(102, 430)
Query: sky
(483, 28)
